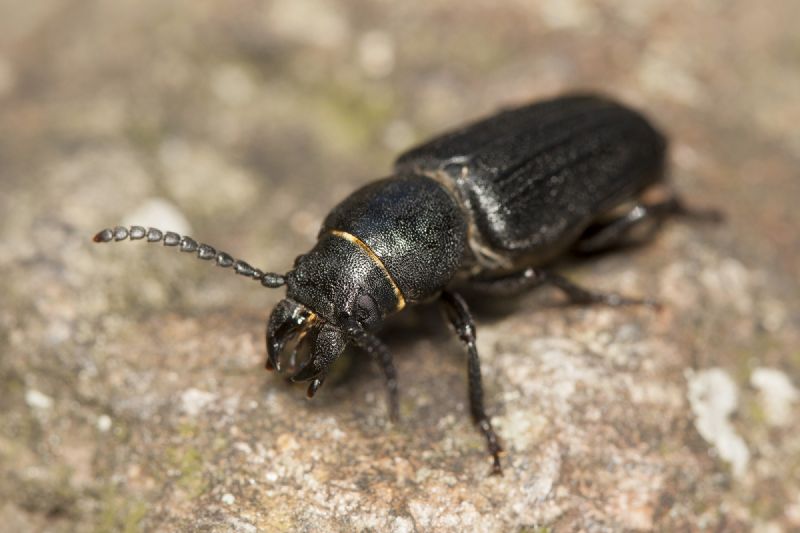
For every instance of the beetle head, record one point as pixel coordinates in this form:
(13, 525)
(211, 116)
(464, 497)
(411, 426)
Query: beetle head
(334, 292)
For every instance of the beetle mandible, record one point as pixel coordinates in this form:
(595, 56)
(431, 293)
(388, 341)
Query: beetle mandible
(490, 206)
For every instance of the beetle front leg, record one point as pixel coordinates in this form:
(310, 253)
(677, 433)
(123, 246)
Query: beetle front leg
(460, 318)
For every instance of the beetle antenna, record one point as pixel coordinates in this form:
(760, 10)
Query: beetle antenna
(187, 244)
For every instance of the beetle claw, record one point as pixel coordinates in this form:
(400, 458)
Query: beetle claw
(313, 387)
(285, 323)
(274, 347)
(308, 371)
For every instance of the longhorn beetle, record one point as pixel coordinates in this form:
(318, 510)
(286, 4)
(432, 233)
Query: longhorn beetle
(489, 206)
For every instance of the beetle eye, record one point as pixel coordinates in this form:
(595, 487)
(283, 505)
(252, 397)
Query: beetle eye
(366, 310)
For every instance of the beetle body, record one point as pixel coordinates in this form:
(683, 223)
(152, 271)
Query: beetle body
(489, 205)
(532, 179)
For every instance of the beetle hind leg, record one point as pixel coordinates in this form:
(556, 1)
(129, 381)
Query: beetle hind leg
(638, 225)
(460, 318)
(532, 277)
(581, 296)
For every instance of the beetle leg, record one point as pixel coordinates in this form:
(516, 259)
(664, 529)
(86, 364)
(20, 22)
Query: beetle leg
(581, 296)
(533, 277)
(378, 351)
(638, 225)
(508, 284)
(460, 318)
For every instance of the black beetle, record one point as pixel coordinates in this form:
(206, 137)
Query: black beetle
(489, 206)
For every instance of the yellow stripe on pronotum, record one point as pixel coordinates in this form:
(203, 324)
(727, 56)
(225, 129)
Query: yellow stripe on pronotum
(401, 301)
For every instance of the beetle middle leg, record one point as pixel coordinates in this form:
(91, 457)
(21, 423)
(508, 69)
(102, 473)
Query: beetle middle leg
(378, 351)
(460, 318)
(533, 277)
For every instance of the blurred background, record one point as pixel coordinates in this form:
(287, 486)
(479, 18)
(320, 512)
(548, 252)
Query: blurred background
(132, 390)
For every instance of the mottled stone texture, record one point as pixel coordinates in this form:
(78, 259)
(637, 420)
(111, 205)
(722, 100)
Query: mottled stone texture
(133, 394)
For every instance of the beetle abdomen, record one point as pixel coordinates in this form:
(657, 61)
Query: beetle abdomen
(412, 225)
(532, 179)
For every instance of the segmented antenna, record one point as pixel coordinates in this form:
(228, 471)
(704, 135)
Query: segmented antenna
(187, 244)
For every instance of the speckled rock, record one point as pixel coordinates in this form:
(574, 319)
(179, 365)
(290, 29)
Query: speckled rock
(133, 390)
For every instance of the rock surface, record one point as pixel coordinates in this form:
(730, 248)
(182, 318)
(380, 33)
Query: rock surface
(133, 393)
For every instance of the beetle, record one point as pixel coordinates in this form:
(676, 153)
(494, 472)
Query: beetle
(490, 206)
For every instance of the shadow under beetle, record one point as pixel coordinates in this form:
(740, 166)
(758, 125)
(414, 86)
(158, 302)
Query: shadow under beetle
(488, 206)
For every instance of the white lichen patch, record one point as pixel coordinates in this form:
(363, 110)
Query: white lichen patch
(38, 400)
(729, 283)
(104, 423)
(376, 55)
(402, 524)
(521, 427)
(548, 470)
(193, 401)
(713, 397)
(191, 169)
(561, 363)
(158, 213)
(313, 22)
(567, 14)
(431, 515)
(644, 392)
(777, 394)
(662, 73)
(84, 196)
(239, 525)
